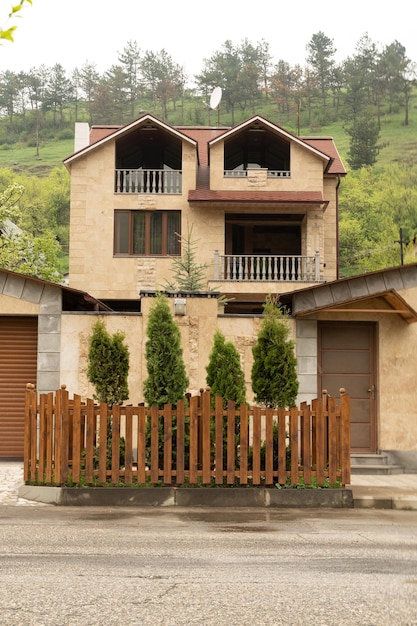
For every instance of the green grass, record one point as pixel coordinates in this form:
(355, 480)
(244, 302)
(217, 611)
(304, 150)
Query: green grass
(22, 158)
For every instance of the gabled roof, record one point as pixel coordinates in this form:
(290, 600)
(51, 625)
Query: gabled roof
(261, 121)
(123, 130)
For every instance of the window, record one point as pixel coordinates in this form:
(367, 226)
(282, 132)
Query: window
(147, 233)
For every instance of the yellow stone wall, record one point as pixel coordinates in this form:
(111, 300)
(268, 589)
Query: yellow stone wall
(94, 269)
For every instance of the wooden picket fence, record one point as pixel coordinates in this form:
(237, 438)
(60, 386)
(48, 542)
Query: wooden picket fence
(71, 442)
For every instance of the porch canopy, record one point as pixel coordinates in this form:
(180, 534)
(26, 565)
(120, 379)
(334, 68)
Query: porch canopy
(375, 292)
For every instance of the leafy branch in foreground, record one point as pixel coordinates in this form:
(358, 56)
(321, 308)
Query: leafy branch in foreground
(8, 32)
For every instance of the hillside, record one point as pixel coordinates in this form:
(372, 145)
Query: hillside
(399, 141)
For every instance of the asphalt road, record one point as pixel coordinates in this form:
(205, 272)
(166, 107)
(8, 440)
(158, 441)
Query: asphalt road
(95, 566)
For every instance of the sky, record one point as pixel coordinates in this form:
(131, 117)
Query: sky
(71, 32)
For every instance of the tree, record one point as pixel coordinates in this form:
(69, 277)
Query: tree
(19, 250)
(89, 81)
(364, 135)
(129, 60)
(188, 274)
(58, 92)
(320, 56)
(108, 365)
(225, 376)
(167, 380)
(274, 376)
(8, 32)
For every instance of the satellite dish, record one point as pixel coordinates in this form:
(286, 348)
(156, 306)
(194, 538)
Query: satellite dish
(215, 98)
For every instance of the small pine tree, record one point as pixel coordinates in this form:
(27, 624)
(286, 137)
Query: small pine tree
(274, 375)
(188, 274)
(108, 365)
(167, 380)
(225, 376)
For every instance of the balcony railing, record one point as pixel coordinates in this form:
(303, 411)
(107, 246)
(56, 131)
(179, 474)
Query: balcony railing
(148, 181)
(244, 173)
(263, 268)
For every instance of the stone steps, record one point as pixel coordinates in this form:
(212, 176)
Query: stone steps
(377, 464)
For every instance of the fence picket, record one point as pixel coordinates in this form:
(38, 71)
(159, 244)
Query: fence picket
(76, 439)
(50, 416)
(206, 451)
(332, 441)
(231, 423)
(282, 447)
(218, 420)
(103, 443)
(295, 446)
(167, 443)
(128, 460)
(141, 446)
(269, 447)
(256, 446)
(180, 460)
(244, 444)
(89, 442)
(194, 406)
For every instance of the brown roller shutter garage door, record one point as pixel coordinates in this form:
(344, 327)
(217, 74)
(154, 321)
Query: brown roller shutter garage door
(18, 366)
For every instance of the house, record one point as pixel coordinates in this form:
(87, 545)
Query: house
(262, 205)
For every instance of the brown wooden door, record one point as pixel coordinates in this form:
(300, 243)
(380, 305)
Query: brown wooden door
(347, 358)
(18, 366)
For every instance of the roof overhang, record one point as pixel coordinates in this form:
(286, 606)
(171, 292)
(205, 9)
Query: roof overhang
(375, 293)
(275, 197)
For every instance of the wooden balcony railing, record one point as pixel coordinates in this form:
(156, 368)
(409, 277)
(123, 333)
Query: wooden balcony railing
(148, 181)
(267, 267)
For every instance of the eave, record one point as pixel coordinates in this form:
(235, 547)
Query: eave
(261, 197)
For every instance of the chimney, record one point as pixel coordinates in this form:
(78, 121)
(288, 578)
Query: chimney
(82, 135)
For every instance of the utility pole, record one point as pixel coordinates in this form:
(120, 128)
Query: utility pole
(402, 244)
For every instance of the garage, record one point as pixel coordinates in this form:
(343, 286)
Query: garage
(18, 366)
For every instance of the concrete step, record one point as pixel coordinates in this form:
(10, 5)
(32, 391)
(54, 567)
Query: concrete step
(373, 464)
(377, 469)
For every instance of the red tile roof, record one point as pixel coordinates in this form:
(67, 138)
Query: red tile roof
(327, 145)
(207, 195)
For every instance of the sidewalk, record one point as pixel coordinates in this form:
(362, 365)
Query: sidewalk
(398, 491)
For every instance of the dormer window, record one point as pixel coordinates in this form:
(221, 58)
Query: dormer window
(256, 148)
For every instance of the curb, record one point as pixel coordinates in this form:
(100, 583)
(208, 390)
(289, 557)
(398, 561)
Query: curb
(189, 497)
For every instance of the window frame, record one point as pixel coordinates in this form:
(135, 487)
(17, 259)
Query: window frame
(147, 235)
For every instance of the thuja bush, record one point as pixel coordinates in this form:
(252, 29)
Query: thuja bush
(108, 369)
(274, 374)
(108, 365)
(167, 381)
(225, 375)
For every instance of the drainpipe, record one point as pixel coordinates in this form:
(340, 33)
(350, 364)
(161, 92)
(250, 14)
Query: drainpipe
(337, 225)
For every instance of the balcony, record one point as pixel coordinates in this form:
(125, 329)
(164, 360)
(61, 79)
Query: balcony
(267, 268)
(148, 181)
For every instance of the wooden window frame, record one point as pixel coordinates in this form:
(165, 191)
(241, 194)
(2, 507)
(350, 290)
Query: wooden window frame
(148, 215)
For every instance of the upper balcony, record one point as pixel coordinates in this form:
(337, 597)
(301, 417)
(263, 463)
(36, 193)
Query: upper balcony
(151, 181)
(148, 161)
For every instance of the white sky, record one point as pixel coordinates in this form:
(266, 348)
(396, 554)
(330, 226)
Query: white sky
(71, 32)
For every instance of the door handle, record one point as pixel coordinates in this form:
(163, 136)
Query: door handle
(371, 390)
